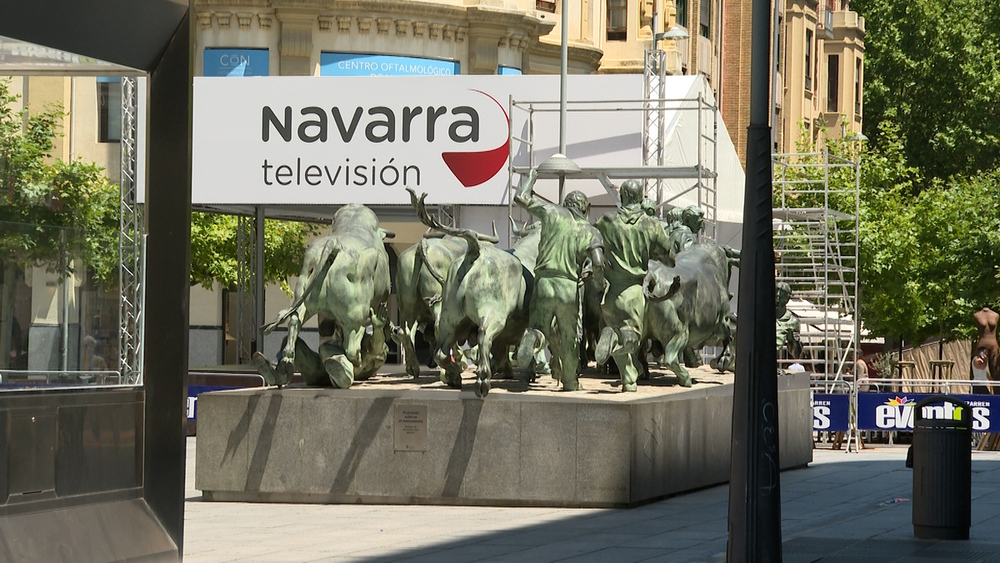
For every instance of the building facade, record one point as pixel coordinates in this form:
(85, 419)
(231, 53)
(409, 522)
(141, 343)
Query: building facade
(818, 75)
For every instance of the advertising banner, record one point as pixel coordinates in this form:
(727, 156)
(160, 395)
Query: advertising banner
(235, 62)
(339, 140)
(358, 64)
(894, 411)
(195, 390)
(831, 412)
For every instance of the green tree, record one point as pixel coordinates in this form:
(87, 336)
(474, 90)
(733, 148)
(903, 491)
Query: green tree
(52, 212)
(932, 68)
(214, 249)
(928, 257)
(930, 176)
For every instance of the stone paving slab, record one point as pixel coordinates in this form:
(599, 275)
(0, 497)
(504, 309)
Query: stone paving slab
(852, 507)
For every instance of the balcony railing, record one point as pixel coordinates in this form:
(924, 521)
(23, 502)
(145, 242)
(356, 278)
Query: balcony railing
(824, 17)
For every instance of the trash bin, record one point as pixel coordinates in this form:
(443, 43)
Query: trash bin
(942, 469)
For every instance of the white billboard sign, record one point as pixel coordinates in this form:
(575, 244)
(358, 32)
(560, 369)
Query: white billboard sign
(338, 140)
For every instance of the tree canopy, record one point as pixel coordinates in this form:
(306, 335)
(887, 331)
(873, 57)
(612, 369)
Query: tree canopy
(214, 249)
(52, 210)
(932, 69)
(930, 223)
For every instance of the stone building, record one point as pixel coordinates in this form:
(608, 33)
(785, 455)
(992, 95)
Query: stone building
(819, 73)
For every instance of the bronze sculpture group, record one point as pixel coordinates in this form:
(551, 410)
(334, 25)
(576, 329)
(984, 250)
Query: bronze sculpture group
(641, 283)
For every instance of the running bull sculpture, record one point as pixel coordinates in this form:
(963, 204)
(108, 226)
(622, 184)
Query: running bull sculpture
(344, 283)
(689, 307)
(420, 276)
(485, 301)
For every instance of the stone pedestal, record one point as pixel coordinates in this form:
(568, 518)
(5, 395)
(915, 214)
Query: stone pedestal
(441, 446)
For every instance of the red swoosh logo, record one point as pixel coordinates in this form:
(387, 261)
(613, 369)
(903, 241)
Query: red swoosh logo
(474, 168)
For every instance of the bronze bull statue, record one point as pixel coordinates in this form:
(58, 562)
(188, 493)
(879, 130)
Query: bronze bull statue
(689, 307)
(344, 283)
(420, 273)
(485, 302)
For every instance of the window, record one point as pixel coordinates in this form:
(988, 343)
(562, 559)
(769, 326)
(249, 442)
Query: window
(235, 62)
(705, 19)
(778, 47)
(682, 12)
(857, 86)
(109, 109)
(833, 84)
(809, 59)
(545, 6)
(617, 20)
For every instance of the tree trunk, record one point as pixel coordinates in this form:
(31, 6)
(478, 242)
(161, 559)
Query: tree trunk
(7, 289)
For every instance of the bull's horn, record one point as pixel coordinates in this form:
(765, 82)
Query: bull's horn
(513, 227)
(487, 238)
(518, 232)
(431, 233)
(386, 233)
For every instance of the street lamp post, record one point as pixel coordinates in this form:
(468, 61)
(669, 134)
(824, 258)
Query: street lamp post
(754, 484)
(563, 71)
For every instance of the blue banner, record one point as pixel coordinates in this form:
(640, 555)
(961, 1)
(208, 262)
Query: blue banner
(195, 390)
(894, 411)
(831, 412)
(360, 64)
(508, 71)
(235, 62)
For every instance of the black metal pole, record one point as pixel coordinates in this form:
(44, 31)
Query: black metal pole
(754, 484)
(168, 265)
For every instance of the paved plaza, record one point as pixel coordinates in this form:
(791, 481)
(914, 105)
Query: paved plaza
(844, 507)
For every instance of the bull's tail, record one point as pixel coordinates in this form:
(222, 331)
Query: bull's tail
(422, 254)
(472, 237)
(648, 288)
(330, 251)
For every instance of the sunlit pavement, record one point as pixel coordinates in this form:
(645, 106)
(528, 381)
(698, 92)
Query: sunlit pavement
(844, 507)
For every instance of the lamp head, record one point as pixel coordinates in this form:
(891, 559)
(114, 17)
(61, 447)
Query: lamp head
(556, 166)
(674, 33)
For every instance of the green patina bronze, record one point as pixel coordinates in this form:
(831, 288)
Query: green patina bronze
(786, 323)
(689, 308)
(485, 298)
(631, 238)
(344, 283)
(421, 272)
(569, 250)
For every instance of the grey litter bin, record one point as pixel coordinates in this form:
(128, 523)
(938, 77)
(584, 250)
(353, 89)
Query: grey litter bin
(942, 470)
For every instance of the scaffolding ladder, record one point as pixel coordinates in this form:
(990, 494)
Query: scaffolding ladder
(816, 253)
(655, 105)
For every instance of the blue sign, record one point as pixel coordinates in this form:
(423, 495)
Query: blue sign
(236, 62)
(356, 64)
(508, 71)
(894, 411)
(195, 390)
(831, 412)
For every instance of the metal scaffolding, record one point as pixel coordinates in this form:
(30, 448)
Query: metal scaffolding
(130, 244)
(653, 168)
(816, 210)
(655, 106)
(249, 284)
